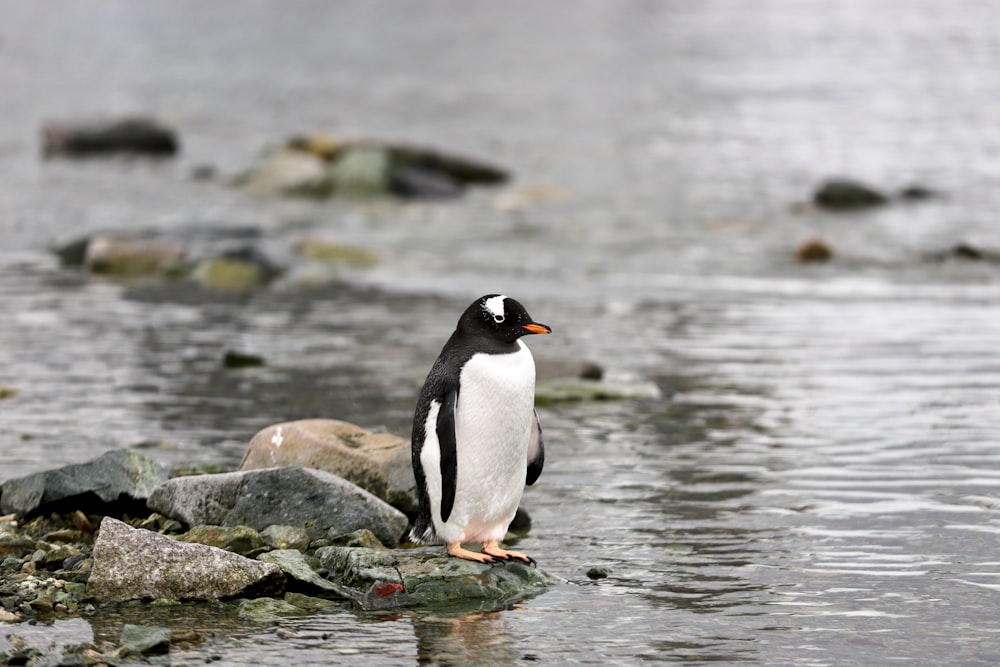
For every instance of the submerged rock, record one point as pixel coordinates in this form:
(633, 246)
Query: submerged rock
(135, 136)
(145, 639)
(847, 195)
(380, 463)
(428, 576)
(135, 564)
(267, 610)
(114, 483)
(292, 496)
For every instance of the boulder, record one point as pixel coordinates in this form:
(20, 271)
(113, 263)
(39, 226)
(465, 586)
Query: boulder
(290, 173)
(114, 483)
(291, 496)
(380, 463)
(135, 136)
(135, 564)
(430, 577)
(847, 195)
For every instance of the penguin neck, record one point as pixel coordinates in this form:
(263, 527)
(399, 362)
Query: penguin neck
(484, 344)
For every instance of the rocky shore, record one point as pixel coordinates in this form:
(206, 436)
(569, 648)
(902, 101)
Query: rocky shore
(313, 518)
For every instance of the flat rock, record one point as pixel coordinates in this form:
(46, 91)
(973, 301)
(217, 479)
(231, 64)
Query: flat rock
(133, 135)
(146, 639)
(116, 482)
(314, 500)
(430, 577)
(135, 564)
(267, 610)
(302, 576)
(380, 463)
(286, 537)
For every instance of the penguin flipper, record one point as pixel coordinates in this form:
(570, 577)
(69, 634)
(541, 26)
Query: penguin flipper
(449, 452)
(536, 451)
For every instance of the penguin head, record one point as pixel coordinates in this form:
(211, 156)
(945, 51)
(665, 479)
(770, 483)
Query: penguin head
(500, 318)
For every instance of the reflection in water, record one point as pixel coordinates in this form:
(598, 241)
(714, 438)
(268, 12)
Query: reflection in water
(480, 638)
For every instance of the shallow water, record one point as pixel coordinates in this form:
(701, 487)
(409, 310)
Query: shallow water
(818, 484)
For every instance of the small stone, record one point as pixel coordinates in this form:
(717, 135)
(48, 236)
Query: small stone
(234, 359)
(359, 538)
(146, 639)
(286, 537)
(9, 617)
(847, 195)
(814, 250)
(598, 573)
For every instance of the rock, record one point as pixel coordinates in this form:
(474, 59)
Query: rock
(267, 610)
(359, 538)
(458, 168)
(291, 173)
(234, 359)
(430, 577)
(559, 368)
(598, 572)
(286, 537)
(362, 170)
(302, 577)
(114, 483)
(308, 602)
(415, 182)
(814, 250)
(322, 145)
(133, 256)
(236, 270)
(311, 499)
(331, 251)
(145, 639)
(967, 252)
(135, 136)
(8, 616)
(7, 392)
(847, 195)
(918, 193)
(238, 539)
(572, 389)
(135, 564)
(380, 463)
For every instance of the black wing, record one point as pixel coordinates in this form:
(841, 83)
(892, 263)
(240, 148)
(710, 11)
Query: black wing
(536, 451)
(449, 452)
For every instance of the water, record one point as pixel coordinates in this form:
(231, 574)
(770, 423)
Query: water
(818, 484)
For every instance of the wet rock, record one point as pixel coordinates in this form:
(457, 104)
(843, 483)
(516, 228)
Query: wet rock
(918, 193)
(847, 195)
(331, 251)
(380, 463)
(145, 640)
(134, 136)
(311, 499)
(362, 171)
(136, 564)
(302, 576)
(238, 539)
(307, 602)
(112, 484)
(236, 270)
(234, 359)
(461, 169)
(814, 250)
(322, 145)
(291, 173)
(598, 573)
(415, 182)
(267, 610)
(430, 577)
(572, 389)
(965, 251)
(7, 392)
(133, 256)
(286, 537)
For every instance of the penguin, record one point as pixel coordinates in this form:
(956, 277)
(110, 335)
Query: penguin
(476, 437)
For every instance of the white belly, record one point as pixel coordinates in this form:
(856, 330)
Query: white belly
(492, 431)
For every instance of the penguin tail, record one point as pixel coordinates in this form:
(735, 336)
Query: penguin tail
(423, 532)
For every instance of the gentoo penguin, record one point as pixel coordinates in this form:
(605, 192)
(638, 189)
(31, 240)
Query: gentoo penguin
(476, 438)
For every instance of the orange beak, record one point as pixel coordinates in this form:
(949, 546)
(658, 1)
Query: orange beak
(536, 328)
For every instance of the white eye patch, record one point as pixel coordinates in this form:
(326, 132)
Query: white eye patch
(494, 306)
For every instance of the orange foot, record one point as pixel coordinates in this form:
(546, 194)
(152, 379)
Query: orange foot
(455, 549)
(493, 549)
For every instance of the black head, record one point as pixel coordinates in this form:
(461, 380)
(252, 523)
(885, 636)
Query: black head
(500, 318)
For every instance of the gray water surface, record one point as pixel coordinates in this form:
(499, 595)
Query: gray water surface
(818, 484)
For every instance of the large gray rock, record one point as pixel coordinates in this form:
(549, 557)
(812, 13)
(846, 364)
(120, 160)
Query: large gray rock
(380, 463)
(135, 564)
(292, 496)
(430, 577)
(115, 482)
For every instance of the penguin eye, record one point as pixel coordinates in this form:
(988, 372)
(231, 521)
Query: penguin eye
(498, 318)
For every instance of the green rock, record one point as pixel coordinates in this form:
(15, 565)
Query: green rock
(230, 274)
(432, 578)
(330, 251)
(267, 610)
(308, 602)
(145, 639)
(238, 539)
(286, 537)
(362, 171)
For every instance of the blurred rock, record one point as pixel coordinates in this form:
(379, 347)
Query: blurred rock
(290, 173)
(847, 195)
(133, 256)
(967, 252)
(331, 251)
(918, 193)
(136, 564)
(311, 499)
(7, 392)
(267, 610)
(112, 484)
(380, 463)
(134, 136)
(286, 537)
(557, 368)
(302, 577)
(362, 171)
(241, 269)
(814, 250)
(573, 389)
(429, 577)
(322, 145)
(234, 359)
(145, 639)
(458, 168)
(414, 182)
